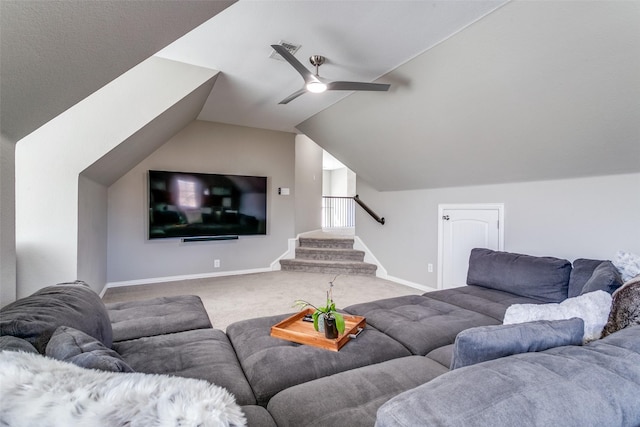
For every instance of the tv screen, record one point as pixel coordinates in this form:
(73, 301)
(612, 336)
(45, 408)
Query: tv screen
(183, 204)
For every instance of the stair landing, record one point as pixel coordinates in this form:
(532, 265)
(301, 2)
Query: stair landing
(321, 252)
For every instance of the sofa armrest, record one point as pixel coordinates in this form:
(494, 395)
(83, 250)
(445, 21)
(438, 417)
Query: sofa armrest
(36, 317)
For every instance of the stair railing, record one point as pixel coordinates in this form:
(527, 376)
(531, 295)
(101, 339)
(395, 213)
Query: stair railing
(338, 212)
(368, 209)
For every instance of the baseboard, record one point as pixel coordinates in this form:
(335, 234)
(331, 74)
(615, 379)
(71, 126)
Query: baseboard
(381, 272)
(410, 284)
(289, 254)
(182, 277)
(103, 291)
(369, 257)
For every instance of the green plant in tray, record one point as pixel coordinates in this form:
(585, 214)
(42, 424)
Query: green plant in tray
(326, 313)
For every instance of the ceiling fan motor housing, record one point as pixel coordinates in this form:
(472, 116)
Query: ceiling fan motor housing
(317, 60)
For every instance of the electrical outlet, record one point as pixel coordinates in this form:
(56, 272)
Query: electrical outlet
(430, 268)
(216, 263)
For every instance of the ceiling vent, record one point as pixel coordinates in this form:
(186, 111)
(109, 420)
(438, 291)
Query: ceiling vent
(292, 48)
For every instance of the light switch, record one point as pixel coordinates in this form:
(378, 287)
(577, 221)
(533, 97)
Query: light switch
(283, 191)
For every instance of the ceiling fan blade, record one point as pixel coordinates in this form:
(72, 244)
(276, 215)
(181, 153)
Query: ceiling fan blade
(293, 96)
(357, 86)
(307, 75)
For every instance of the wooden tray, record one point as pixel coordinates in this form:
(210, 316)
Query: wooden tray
(295, 329)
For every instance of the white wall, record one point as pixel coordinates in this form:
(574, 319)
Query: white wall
(50, 160)
(308, 191)
(208, 148)
(7, 222)
(339, 182)
(92, 231)
(573, 218)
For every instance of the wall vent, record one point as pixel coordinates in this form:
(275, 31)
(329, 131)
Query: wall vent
(291, 47)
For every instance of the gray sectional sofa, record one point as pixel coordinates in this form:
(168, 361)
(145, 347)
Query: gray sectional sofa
(397, 372)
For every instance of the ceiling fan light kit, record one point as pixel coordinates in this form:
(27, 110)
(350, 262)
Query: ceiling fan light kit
(316, 87)
(314, 83)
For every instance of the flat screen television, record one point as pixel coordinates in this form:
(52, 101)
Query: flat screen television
(191, 205)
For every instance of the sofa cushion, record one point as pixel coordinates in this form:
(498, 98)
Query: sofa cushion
(593, 385)
(257, 416)
(592, 307)
(542, 278)
(11, 343)
(490, 302)
(70, 345)
(605, 277)
(484, 343)
(272, 364)
(36, 317)
(420, 323)
(202, 353)
(581, 272)
(351, 398)
(442, 355)
(157, 316)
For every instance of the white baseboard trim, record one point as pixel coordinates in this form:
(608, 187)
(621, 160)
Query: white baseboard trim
(103, 291)
(182, 277)
(414, 285)
(274, 266)
(381, 272)
(369, 257)
(290, 253)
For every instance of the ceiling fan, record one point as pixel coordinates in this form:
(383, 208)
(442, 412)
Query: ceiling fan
(316, 84)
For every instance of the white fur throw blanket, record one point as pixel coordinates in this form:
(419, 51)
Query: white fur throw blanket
(39, 391)
(592, 307)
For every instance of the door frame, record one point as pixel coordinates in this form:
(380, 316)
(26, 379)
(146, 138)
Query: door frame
(467, 206)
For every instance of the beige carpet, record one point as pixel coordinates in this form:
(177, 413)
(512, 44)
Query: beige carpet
(232, 298)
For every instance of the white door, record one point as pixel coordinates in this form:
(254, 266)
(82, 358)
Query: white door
(462, 228)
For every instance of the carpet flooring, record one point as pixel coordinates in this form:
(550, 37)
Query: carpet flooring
(229, 299)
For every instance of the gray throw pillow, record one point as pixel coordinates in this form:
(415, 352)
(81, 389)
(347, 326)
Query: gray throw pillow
(604, 278)
(543, 278)
(580, 273)
(11, 343)
(70, 345)
(484, 343)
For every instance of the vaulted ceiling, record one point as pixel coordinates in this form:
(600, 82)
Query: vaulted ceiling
(361, 40)
(53, 54)
(56, 53)
(535, 91)
(482, 91)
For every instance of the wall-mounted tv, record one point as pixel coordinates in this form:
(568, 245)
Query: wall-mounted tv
(187, 205)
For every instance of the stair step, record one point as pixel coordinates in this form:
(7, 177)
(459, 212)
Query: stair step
(328, 254)
(336, 243)
(333, 267)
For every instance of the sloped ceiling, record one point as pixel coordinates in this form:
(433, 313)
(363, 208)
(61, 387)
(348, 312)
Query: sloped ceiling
(526, 91)
(55, 53)
(154, 133)
(534, 91)
(361, 41)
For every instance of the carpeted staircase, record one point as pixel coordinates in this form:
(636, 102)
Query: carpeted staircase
(328, 255)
